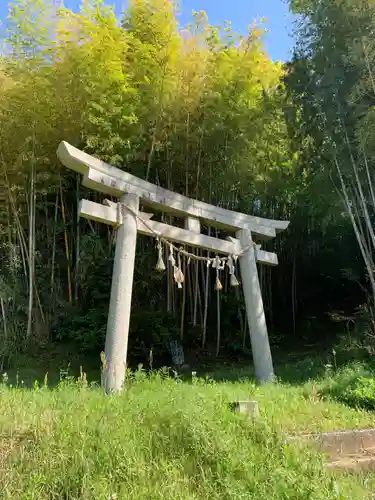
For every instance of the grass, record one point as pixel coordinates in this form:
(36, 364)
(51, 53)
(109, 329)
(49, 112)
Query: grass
(166, 438)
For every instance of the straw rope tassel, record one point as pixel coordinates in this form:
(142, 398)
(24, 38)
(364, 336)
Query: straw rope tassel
(160, 266)
(178, 274)
(233, 279)
(218, 265)
(171, 258)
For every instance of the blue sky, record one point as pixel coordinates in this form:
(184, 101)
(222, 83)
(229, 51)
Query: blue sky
(240, 12)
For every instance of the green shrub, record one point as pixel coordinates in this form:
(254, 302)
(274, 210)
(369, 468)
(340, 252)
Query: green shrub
(361, 393)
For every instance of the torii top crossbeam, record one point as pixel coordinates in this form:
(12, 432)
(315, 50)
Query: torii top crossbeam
(107, 179)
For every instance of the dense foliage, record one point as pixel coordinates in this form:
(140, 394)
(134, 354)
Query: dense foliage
(200, 110)
(331, 83)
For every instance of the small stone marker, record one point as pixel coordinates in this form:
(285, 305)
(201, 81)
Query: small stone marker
(251, 408)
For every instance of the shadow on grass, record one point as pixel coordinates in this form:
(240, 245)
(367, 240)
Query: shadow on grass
(29, 378)
(295, 372)
(346, 375)
(49, 364)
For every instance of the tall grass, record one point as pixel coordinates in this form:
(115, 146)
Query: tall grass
(163, 439)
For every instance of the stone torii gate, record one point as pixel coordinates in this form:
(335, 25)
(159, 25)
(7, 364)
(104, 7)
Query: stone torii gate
(128, 220)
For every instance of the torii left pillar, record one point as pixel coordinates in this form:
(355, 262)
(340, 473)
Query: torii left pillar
(116, 342)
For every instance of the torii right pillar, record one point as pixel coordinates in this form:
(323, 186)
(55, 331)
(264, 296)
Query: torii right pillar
(255, 311)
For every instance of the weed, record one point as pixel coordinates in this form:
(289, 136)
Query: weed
(164, 438)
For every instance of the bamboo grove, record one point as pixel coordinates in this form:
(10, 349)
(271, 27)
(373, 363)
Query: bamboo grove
(198, 109)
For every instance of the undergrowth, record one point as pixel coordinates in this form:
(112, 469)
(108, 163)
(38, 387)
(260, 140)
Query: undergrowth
(353, 385)
(362, 393)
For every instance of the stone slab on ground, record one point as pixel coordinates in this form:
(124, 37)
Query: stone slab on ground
(360, 462)
(349, 450)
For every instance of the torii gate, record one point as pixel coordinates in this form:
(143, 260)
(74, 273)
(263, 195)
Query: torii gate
(126, 217)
